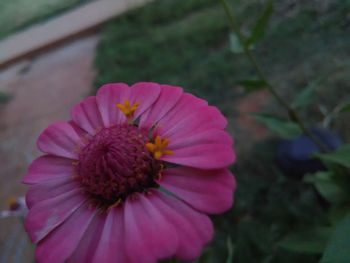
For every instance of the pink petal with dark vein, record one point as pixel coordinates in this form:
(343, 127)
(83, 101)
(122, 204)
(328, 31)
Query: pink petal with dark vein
(87, 115)
(168, 98)
(145, 222)
(60, 139)
(45, 216)
(108, 96)
(49, 189)
(209, 191)
(194, 229)
(203, 156)
(60, 244)
(49, 167)
(84, 253)
(111, 245)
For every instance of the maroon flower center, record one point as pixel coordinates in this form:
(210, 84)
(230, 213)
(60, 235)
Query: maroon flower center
(115, 164)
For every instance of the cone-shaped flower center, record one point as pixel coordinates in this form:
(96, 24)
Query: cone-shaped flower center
(116, 163)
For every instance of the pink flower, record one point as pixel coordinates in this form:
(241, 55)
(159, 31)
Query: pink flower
(131, 178)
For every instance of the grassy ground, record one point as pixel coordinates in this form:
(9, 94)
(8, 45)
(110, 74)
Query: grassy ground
(186, 43)
(17, 14)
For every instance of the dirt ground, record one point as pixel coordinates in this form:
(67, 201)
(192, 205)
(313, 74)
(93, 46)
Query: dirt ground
(42, 91)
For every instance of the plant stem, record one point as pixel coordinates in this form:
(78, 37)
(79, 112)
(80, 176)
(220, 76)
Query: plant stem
(293, 115)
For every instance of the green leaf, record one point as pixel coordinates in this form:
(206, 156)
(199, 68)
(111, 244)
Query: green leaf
(261, 25)
(281, 127)
(340, 156)
(311, 241)
(235, 44)
(338, 212)
(206, 256)
(345, 107)
(252, 84)
(230, 250)
(307, 95)
(338, 247)
(326, 185)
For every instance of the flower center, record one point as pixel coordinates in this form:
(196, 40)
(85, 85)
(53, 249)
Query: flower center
(116, 163)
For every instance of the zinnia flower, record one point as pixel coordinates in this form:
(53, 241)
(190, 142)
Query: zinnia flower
(131, 178)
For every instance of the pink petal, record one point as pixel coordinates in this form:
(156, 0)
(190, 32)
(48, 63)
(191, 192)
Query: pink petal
(87, 116)
(59, 245)
(48, 167)
(85, 251)
(212, 136)
(108, 96)
(188, 105)
(168, 98)
(193, 229)
(49, 189)
(60, 139)
(148, 234)
(203, 156)
(48, 214)
(111, 246)
(197, 120)
(207, 191)
(146, 93)
(81, 133)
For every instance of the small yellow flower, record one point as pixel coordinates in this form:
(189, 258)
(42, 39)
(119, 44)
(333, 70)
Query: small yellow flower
(128, 109)
(159, 147)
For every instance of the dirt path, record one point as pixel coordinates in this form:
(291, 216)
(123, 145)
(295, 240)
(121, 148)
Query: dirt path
(43, 91)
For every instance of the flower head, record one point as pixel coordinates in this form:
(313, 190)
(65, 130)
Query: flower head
(131, 178)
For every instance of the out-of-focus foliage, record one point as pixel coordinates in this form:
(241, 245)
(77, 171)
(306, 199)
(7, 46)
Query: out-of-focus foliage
(309, 241)
(283, 128)
(307, 96)
(327, 186)
(338, 247)
(345, 107)
(261, 25)
(235, 45)
(340, 156)
(252, 84)
(182, 43)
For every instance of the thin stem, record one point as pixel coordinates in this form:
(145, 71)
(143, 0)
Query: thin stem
(293, 115)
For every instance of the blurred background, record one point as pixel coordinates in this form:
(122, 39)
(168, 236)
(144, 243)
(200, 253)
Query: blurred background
(54, 53)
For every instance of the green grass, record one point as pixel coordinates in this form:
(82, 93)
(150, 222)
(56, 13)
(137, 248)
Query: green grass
(157, 48)
(18, 14)
(186, 43)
